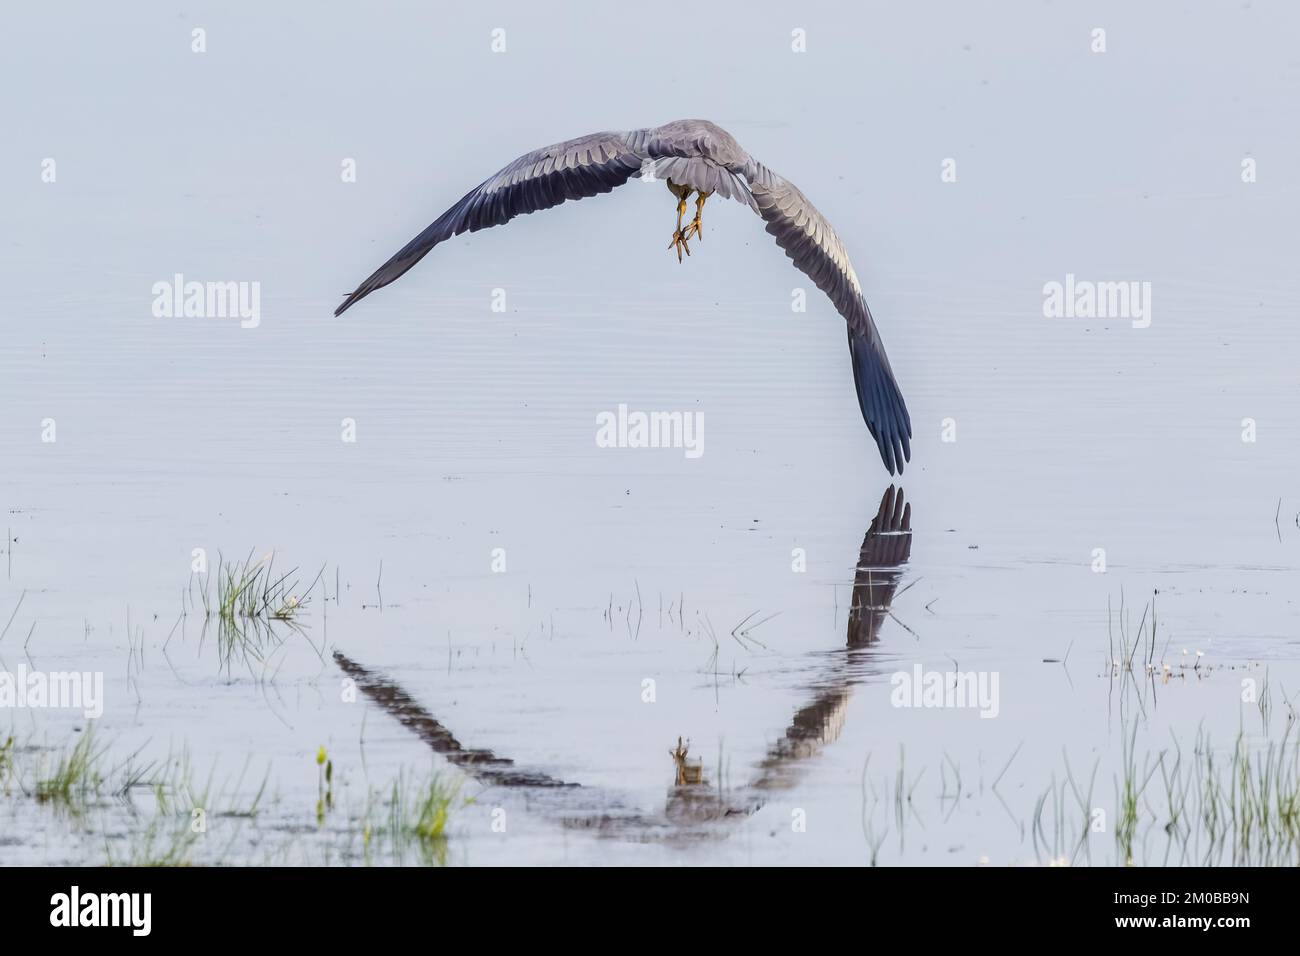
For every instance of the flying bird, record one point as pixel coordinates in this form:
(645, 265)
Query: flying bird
(693, 157)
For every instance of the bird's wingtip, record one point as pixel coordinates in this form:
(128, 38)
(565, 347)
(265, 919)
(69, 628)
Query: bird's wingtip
(349, 300)
(881, 403)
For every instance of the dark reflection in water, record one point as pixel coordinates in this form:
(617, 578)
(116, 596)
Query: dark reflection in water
(885, 549)
(481, 764)
(694, 806)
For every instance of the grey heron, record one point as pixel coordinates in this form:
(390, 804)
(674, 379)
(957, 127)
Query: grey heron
(692, 157)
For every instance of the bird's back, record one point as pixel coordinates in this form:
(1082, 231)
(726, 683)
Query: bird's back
(696, 137)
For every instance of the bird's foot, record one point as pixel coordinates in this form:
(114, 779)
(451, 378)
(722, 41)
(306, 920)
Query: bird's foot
(679, 243)
(695, 229)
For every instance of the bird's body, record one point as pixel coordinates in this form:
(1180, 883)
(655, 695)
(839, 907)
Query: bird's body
(691, 156)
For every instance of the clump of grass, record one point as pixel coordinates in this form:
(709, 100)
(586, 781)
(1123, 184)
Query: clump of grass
(251, 598)
(184, 814)
(1135, 648)
(1129, 789)
(75, 778)
(418, 818)
(432, 810)
(167, 840)
(253, 590)
(1250, 813)
(7, 764)
(1239, 807)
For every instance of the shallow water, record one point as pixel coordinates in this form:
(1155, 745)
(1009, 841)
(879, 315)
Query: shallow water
(475, 432)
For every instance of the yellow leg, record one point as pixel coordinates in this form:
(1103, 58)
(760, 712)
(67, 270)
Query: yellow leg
(695, 229)
(679, 237)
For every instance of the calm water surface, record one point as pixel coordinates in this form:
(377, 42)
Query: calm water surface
(646, 596)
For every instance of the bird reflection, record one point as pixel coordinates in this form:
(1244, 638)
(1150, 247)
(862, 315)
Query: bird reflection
(694, 805)
(885, 550)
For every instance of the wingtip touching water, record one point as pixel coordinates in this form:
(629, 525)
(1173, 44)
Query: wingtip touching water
(883, 408)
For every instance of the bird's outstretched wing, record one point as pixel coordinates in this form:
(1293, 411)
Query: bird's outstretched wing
(705, 157)
(546, 177)
(816, 251)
